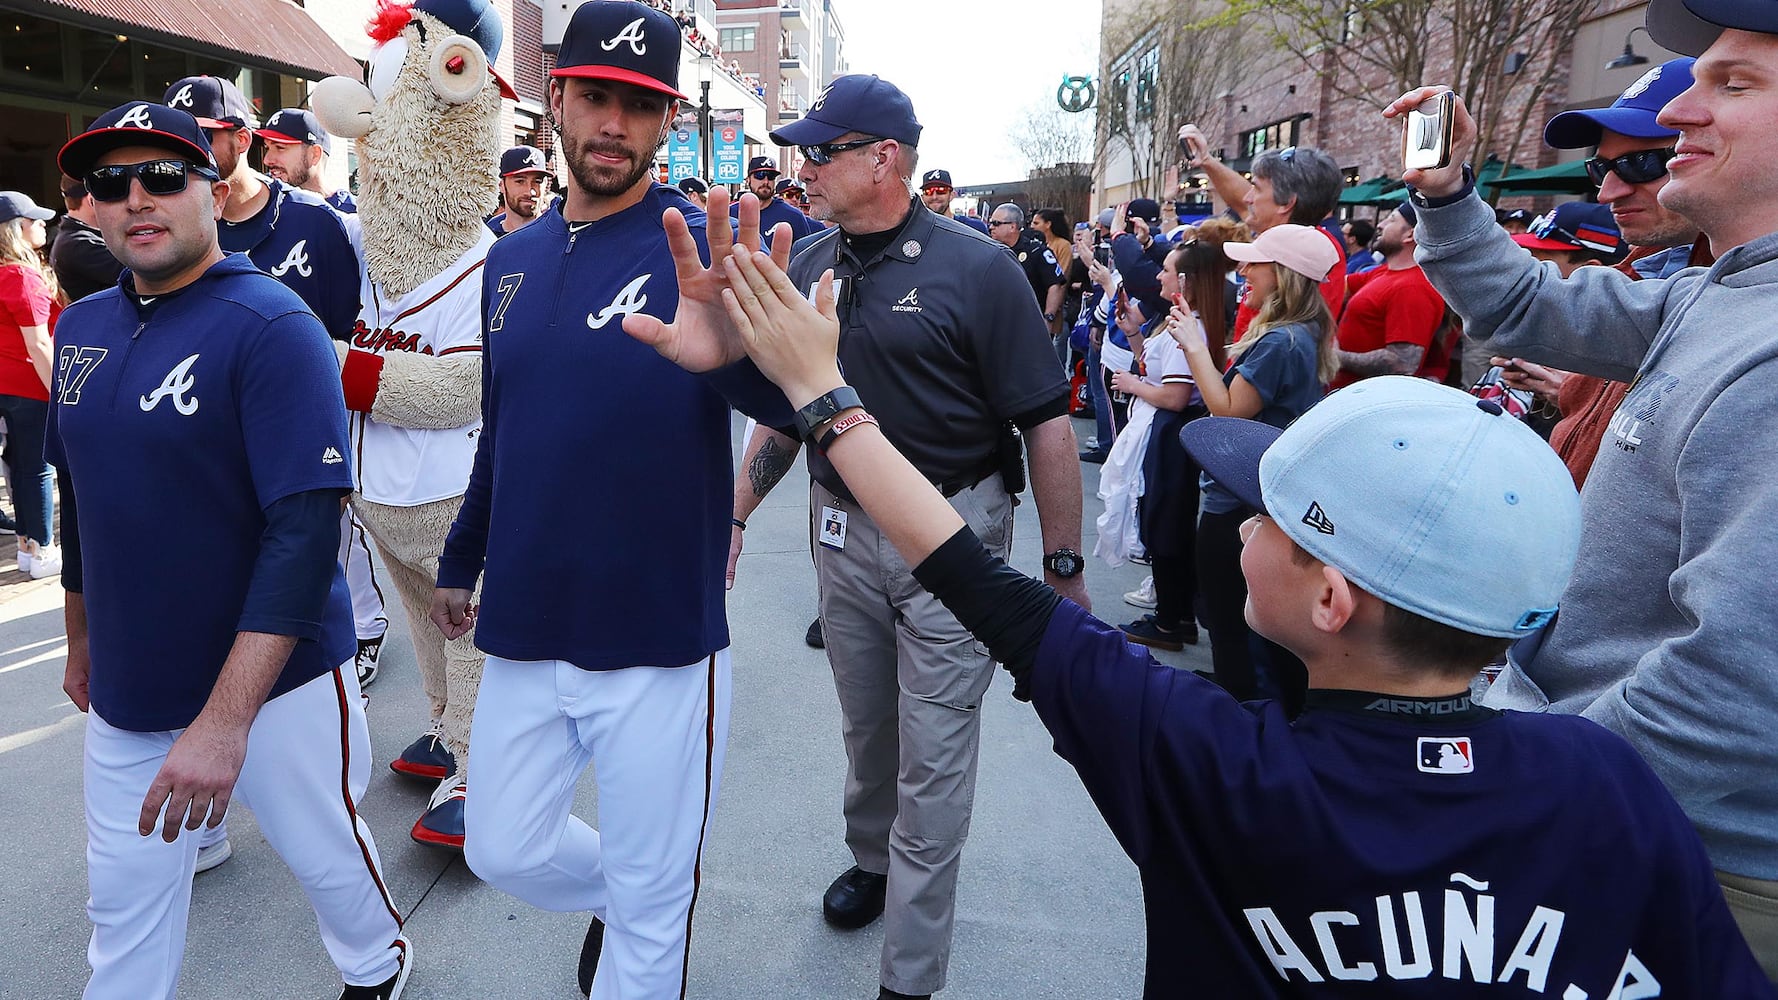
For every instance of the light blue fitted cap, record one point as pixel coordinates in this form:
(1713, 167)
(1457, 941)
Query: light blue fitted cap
(1421, 494)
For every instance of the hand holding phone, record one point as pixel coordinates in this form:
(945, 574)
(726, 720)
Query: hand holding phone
(1458, 139)
(1193, 144)
(1426, 136)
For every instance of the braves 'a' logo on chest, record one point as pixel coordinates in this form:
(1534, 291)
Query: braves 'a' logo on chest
(628, 302)
(381, 340)
(174, 387)
(297, 258)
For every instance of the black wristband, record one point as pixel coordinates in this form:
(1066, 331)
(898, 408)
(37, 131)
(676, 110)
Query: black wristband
(737, 522)
(824, 408)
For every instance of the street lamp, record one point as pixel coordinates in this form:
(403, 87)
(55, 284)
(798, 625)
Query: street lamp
(1630, 56)
(706, 141)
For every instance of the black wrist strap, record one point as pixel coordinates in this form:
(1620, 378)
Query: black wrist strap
(824, 408)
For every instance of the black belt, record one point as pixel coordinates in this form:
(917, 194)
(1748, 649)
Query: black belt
(951, 487)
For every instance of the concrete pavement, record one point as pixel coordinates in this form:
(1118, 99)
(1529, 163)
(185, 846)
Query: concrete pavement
(1048, 904)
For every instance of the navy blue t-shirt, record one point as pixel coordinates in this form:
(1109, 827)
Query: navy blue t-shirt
(300, 240)
(1380, 847)
(342, 202)
(603, 480)
(177, 424)
(1282, 366)
(778, 210)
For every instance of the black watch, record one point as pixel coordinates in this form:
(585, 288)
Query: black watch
(1065, 563)
(824, 408)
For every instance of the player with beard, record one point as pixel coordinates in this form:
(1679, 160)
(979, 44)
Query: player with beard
(602, 609)
(296, 151)
(762, 180)
(523, 176)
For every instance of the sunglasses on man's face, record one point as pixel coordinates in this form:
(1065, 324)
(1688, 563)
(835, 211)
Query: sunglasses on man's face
(764, 175)
(158, 177)
(823, 154)
(1635, 167)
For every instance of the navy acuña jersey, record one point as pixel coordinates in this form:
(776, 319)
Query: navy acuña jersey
(603, 479)
(300, 240)
(1378, 847)
(177, 424)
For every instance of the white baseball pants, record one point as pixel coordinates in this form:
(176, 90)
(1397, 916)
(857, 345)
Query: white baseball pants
(307, 764)
(368, 615)
(655, 738)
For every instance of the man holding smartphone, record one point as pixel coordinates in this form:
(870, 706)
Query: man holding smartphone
(1663, 637)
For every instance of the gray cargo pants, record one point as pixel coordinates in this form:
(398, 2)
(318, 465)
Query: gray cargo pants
(910, 683)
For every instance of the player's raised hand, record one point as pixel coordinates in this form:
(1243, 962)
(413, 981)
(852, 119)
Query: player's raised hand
(793, 341)
(701, 338)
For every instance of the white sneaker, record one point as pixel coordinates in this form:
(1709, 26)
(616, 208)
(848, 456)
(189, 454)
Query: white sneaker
(215, 854)
(1143, 596)
(45, 562)
(24, 560)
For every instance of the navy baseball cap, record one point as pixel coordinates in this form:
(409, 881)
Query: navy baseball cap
(789, 184)
(936, 178)
(213, 101)
(1575, 225)
(623, 41)
(1391, 480)
(1511, 215)
(1146, 209)
(857, 102)
(295, 125)
(763, 163)
(17, 205)
(1691, 26)
(138, 123)
(478, 21)
(1632, 114)
(523, 160)
(692, 185)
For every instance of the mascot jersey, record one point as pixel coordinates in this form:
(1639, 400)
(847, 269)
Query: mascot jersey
(405, 466)
(300, 240)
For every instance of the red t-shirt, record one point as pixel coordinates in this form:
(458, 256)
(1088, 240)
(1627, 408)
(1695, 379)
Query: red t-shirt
(1394, 307)
(1333, 291)
(24, 301)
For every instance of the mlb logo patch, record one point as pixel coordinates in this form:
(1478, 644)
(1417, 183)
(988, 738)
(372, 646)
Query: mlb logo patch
(1446, 755)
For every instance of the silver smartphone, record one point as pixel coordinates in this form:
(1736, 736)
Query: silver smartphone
(1426, 139)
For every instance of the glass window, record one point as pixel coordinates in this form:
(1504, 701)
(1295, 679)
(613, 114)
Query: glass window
(106, 63)
(736, 39)
(160, 67)
(31, 45)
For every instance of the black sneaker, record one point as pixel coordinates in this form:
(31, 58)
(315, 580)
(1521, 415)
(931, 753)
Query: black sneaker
(589, 955)
(369, 652)
(814, 637)
(389, 989)
(7, 525)
(1148, 631)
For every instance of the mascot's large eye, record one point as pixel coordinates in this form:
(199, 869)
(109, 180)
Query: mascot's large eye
(385, 62)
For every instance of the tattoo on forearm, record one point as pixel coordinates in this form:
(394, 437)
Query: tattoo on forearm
(1391, 359)
(769, 465)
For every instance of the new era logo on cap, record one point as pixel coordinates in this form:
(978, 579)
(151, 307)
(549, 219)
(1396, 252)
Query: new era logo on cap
(622, 41)
(1446, 755)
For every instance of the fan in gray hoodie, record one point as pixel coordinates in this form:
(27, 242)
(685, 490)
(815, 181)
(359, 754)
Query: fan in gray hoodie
(1668, 632)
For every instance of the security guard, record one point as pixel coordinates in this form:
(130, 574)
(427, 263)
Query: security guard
(936, 192)
(1038, 261)
(942, 343)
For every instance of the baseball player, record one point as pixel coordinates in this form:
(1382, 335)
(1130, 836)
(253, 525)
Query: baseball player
(297, 238)
(524, 181)
(602, 611)
(1395, 839)
(202, 397)
(296, 149)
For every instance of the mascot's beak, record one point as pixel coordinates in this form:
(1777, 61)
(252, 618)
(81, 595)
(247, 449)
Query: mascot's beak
(343, 106)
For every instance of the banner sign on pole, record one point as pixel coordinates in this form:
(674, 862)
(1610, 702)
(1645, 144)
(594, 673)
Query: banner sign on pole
(729, 133)
(682, 149)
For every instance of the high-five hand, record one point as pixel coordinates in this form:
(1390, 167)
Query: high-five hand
(701, 338)
(792, 341)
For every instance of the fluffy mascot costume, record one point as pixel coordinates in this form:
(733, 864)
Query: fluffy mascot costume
(427, 132)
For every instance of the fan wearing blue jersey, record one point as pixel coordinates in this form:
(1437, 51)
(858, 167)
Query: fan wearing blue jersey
(1394, 839)
(202, 397)
(602, 605)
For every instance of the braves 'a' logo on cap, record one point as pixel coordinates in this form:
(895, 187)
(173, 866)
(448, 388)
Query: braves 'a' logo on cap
(136, 117)
(632, 34)
(819, 101)
(182, 99)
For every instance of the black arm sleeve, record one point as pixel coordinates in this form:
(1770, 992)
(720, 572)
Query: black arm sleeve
(298, 556)
(72, 581)
(1007, 610)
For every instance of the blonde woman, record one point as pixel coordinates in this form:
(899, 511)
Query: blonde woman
(1277, 370)
(29, 305)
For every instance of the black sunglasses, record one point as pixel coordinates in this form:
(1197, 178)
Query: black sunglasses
(761, 175)
(1637, 167)
(822, 154)
(158, 177)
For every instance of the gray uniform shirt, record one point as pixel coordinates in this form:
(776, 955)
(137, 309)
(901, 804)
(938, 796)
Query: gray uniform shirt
(1668, 632)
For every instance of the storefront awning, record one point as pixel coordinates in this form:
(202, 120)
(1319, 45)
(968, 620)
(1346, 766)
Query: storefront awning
(270, 34)
(1563, 178)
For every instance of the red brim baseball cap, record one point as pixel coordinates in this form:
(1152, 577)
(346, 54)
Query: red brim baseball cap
(618, 74)
(1531, 242)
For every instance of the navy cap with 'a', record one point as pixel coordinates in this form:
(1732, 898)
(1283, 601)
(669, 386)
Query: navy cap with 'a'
(763, 163)
(936, 179)
(857, 102)
(622, 41)
(138, 123)
(523, 160)
(789, 184)
(1688, 27)
(1632, 114)
(213, 101)
(290, 126)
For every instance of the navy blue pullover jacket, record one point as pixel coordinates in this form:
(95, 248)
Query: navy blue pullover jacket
(300, 240)
(603, 481)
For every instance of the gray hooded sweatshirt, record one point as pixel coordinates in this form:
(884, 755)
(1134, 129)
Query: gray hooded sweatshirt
(1668, 632)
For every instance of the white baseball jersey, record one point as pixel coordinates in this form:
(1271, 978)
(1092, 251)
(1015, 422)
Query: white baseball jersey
(403, 466)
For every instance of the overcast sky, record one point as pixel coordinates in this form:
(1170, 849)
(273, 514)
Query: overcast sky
(971, 67)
